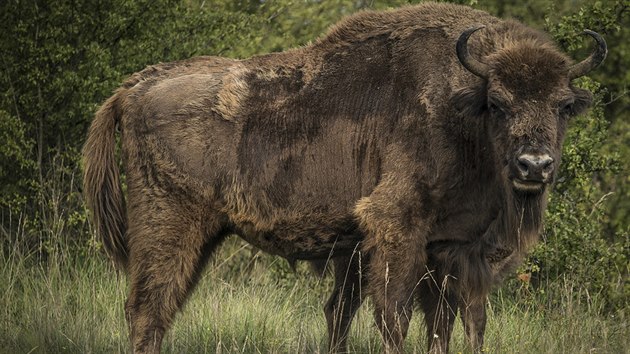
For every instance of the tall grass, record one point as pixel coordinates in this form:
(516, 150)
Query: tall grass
(253, 304)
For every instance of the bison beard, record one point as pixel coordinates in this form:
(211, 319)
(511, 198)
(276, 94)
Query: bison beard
(380, 147)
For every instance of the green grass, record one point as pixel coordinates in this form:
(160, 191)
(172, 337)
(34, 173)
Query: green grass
(254, 304)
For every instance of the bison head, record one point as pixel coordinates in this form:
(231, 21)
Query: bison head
(528, 98)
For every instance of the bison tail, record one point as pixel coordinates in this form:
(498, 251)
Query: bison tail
(101, 182)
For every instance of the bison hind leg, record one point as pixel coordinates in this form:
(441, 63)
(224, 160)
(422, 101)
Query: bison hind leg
(168, 251)
(344, 301)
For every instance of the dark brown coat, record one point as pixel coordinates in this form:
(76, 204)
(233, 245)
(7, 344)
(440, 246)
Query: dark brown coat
(375, 138)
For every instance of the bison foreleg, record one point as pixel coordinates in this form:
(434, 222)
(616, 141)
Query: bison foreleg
(474, 319)
(439, 304)
(392, 283)
(345, 300)
(393, 279)
(396, 229)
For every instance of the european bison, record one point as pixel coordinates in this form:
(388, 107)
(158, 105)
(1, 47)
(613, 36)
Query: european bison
(425, 137)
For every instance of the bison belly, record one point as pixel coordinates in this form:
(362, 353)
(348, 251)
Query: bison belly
(304, 238)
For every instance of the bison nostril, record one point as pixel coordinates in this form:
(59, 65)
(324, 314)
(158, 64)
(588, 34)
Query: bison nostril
(523, 166)
(547, 164)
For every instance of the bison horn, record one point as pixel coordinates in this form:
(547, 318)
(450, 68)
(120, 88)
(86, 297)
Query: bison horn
(473, 65)
(599, 54)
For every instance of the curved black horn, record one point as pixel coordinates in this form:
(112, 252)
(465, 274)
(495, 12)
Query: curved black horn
(473, 65)
(599, 54)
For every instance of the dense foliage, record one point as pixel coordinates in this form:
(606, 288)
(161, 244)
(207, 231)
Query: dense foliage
(61, 59)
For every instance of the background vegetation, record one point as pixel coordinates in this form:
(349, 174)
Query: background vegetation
(60, 59)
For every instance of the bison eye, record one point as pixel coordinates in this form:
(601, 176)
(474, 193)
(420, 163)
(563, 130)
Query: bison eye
(566, 108)
(494, 109)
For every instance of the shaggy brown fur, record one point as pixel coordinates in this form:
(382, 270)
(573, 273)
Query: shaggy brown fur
(373, 143)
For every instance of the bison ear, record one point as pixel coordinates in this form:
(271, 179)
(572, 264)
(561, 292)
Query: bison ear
(470, 101)
(583, 100)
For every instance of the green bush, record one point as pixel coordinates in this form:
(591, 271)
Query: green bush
(579, 242)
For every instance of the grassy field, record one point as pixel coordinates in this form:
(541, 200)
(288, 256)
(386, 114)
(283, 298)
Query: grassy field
(249, 303)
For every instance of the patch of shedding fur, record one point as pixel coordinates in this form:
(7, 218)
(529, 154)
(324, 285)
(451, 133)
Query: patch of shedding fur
(267, 75)
(233, 92)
